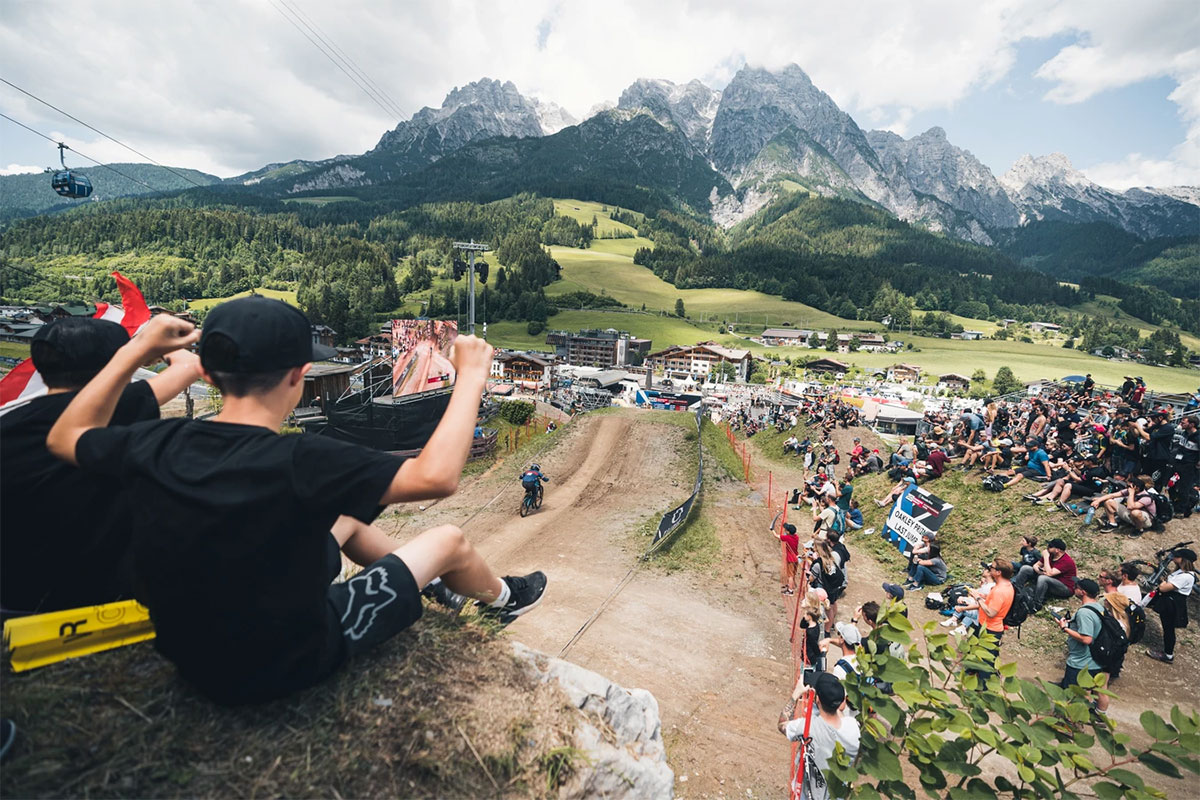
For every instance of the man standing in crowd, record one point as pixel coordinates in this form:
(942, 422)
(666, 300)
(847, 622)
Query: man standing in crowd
(1158, 455)
(1055, 574)
(237, 529)
(1083, 626)
(84, 561)
(1185, 453)
(829, 726)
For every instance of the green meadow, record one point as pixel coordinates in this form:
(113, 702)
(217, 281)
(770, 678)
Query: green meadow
(205, 303)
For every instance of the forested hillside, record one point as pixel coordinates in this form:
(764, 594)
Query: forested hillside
(837, 254)
(29, 194)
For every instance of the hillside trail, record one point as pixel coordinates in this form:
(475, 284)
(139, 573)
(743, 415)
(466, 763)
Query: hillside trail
(707, 644)
(1144, 684)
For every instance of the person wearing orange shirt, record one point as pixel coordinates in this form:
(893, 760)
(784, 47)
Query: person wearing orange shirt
(993, 606)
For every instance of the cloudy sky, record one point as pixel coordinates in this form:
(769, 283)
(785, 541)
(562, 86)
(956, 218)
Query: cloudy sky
(226, 86)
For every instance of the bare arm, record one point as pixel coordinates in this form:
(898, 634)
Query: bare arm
(435, 472)
(183, 368)
(93, 407)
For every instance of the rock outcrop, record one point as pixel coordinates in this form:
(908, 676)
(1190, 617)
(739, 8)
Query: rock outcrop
(622, 733)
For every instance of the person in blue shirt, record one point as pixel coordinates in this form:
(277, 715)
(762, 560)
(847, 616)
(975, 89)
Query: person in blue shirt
(531, 479)
(843, 501)
(854, 517)
(1037, 466)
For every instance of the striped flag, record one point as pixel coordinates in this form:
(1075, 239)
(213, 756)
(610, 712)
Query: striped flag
(23, 383)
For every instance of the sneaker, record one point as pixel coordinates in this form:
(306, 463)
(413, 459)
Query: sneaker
(1159, 655)
(443, 595)
(1044, 501)
(1109, 526)
(1029, 496)
(527, 593)
(948, 623)
(1060, 610)
(1052, 509)
(961, 630)
(881, 505)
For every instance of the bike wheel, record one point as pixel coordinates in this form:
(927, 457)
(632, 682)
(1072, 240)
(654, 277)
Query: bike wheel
(538, 502)
(525, 507)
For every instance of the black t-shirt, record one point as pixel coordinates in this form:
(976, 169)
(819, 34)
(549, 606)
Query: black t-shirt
(231, 544)
(65, 532)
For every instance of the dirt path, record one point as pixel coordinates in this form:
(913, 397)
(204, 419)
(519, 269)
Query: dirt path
(712, 647)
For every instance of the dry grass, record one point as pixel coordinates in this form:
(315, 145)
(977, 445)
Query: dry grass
(444, 709)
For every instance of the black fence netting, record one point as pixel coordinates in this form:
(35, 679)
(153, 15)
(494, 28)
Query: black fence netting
(384, 424)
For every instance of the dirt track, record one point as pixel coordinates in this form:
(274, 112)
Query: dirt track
(711, 648)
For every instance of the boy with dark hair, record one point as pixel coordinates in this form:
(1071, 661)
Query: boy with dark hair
(237, 529)
(65, 537)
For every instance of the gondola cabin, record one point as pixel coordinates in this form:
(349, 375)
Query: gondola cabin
(71, 184)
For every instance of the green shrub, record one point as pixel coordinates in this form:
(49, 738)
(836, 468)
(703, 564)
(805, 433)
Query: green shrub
(516, 412)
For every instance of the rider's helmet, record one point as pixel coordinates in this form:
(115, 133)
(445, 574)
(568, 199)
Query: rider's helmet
(536, 467)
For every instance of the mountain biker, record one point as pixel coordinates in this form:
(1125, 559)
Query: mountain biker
(531, 479)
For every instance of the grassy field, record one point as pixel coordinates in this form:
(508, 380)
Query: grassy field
(1105, 307)
(205, 303)
(582, 212)
(14, 350)
(605, 268)
(662, 331)
(1028, 362)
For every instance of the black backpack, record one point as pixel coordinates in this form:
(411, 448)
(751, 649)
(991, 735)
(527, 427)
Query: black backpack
(994, 483)
(1109, 645)
(1024, 605)
(1137, 622)
(1164, 509)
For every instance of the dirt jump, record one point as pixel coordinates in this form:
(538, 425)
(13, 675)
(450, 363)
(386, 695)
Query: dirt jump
(708, 645)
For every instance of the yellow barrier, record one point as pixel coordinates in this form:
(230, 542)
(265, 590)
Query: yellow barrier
(42, 639)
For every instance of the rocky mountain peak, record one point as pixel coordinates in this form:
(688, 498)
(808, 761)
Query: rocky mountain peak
(1040, 170)
(689, 107)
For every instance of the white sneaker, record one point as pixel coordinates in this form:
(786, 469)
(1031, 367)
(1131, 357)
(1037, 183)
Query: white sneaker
(1058, 610)
(961, 630)
(948, 622)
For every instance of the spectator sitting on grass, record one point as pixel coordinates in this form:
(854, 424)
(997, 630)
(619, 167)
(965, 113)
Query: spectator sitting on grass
(1000, 458)
(1037, 464)
(873, 462)
(896, 492)
(1133, 506)
(1030, 555)
(929, 571)
(966, 611)
(1054, 574)
(237, 529)
(854, 517)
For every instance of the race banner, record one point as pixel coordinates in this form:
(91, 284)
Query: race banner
(675, 518)
(915, 514)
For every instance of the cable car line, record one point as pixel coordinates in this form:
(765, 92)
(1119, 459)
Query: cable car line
(308, 22)
(334, 61)
(84, 155)
(102, 133)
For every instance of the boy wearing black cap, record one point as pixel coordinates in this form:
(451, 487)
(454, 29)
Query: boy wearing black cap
(237, 529)
(829, 726)
(1081, 629)
(66, 533)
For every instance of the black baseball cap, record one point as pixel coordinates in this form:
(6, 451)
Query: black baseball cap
(257, 334)
(895, 590)
(71, 351)
(1088, 587)
(830, 692)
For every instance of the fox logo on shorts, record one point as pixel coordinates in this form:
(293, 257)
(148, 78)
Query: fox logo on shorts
(369, 594)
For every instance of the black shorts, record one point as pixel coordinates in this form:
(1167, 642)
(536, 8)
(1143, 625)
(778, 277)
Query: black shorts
(376, 604)
(1033, 473)
(1084, 489)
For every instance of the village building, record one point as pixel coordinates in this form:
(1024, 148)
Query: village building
(325, 382)
(597, 348)
(830, 366)
(904, 373)
(697, 361)
(377, 345)
(1048, 327)
(954, 382)
(531, 370)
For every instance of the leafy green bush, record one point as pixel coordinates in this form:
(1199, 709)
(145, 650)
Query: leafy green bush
(944, 720)
(535, 327)
(516, 412)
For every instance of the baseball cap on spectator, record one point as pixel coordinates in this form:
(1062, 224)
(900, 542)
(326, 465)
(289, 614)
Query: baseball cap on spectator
(1184, 552)
(849, 633)
(895, 590)
(830, 692)
(71, 351)
(1088, 587)
(257, 334)
(910, 479)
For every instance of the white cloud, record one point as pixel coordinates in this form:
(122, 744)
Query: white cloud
(229, 85)
(18, 169)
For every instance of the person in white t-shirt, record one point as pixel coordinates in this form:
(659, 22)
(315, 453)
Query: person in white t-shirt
(1170, 599)
(1123, 580)
(829, 725)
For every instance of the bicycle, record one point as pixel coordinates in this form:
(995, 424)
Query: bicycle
(531, 501)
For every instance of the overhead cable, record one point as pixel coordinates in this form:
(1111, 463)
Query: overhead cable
(102, 133)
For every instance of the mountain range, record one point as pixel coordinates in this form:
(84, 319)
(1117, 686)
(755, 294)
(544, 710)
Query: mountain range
(726, 153)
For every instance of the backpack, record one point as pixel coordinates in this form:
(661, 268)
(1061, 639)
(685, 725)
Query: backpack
(839, 521)
(993, 483)
(1164, 509)
(952, 595)
(1109, 645)
(1137, 622)
(1023, 606)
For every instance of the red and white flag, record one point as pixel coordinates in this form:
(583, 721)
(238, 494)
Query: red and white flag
(23, 383)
